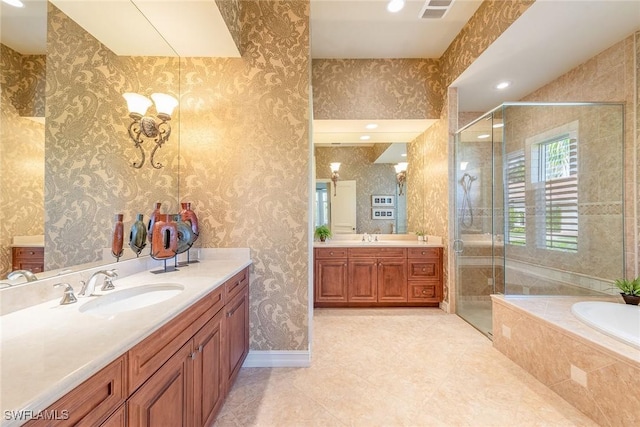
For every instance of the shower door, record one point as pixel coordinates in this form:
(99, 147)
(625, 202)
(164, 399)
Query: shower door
(474, 227)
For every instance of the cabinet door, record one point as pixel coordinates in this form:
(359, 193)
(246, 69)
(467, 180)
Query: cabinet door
(166, 398)
(363, 277)
(330, 280)
(237, 334)
(117, 419)
(208, 376)
(392, 280)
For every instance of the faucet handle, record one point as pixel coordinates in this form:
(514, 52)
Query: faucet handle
(68, 297)
(107, 285)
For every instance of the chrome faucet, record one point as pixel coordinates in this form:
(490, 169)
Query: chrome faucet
(68, 297)
(24, 273)
(89, 286)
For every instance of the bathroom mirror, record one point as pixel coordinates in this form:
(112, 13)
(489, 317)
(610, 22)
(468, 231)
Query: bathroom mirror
(371, 166)
(67, 173)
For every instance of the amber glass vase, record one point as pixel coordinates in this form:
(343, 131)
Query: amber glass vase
(164, 243)
(117, 240)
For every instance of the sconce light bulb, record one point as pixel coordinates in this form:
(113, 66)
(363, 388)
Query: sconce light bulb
(335, 167)
(164, 104)
(136, 103)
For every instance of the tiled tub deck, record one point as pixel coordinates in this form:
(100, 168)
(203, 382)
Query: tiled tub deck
(597, 374)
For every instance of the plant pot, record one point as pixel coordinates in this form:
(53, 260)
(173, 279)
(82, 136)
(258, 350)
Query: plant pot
(630, 299)
(322, 238)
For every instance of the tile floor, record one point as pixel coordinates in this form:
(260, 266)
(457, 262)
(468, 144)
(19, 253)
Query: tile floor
(396, 367)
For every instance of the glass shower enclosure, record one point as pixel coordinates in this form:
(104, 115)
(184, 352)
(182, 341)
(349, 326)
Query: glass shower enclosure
(538, 204)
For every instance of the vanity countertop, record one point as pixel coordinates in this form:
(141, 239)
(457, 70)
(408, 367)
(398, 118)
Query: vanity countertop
(379, 244)
(48, 349)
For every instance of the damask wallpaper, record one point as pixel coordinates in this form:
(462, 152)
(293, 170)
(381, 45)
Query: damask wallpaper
(245, 162)
(21, 150)
(361, 89)
(491, 19)
(88, 154)
(371, 178)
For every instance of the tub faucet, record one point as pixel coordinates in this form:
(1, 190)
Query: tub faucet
(89, 286)
(24, 273)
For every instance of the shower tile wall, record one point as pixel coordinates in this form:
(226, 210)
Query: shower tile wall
(599, 187)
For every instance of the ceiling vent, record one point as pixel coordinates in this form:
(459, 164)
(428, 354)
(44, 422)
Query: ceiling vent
(435, 9)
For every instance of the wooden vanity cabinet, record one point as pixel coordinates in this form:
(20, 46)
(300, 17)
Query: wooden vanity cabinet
(425, 275)
(236, 312)
(331, 275)
(27, 258)
(177, 376)
(377, 276)
(92, 402)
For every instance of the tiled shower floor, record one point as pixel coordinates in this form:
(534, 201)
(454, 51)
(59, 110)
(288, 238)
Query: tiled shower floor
(396, 367)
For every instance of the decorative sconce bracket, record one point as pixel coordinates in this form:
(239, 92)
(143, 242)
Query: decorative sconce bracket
(148, 127)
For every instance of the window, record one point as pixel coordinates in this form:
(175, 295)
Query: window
(558, 169)
(322, 204)
(516, 234)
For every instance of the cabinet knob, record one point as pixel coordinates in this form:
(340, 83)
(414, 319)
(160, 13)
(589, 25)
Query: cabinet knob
(193, 355)
(424, 253)
(424, 292)
(200, 348)
(331, 253)
(424, 269)
(31, 253)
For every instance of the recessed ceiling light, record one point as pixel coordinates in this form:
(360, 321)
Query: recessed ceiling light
(498, 125)
(395, 6)
(371, 126)
(365, 138)
(16, 3)
(503, 85)
(403, 155)
(463, 165)
(484, 136)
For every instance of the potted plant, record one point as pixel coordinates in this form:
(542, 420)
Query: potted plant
(420, 234)
(630, 290)
(323, 233)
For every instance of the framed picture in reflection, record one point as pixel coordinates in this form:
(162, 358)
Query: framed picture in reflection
(383, 213)
(383, 200)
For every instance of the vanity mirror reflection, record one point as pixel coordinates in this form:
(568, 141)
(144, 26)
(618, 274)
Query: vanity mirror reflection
(367, 163)
(65, 152)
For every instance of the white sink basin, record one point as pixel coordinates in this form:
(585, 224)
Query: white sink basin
(131, 299)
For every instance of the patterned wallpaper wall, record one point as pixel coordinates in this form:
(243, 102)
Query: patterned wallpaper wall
(245, 162)
(491, 19)
(371, 178)
(21, 150)
(88, 153)
(230, 11)
(361, 89)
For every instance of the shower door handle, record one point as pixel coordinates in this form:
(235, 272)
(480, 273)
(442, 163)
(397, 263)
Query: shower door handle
(458, 246)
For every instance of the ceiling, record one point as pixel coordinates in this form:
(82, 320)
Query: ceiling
(574, 31)
(549, 39)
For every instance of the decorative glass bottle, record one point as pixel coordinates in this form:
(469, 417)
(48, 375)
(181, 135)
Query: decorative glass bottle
(138, 235)
(190, 218)
(152, 220)
(165, 237)
(185, 235)
(117, 240)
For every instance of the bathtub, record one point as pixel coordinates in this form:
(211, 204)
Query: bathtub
(619, 321)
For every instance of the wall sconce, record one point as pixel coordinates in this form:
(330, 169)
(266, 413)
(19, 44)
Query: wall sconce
(146, 126)
(335, 167)
(401, 175)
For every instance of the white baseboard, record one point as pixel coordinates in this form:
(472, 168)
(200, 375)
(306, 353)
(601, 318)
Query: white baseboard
(277, 359)
(444, 306)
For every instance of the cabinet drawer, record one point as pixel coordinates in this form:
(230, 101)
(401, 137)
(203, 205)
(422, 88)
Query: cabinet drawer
(421, 292)
(424, 252)
(377, 252)
(331, 252)
(29, 253)
(150, 354)
(236, 284)
(428, 269)
(93, 401)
